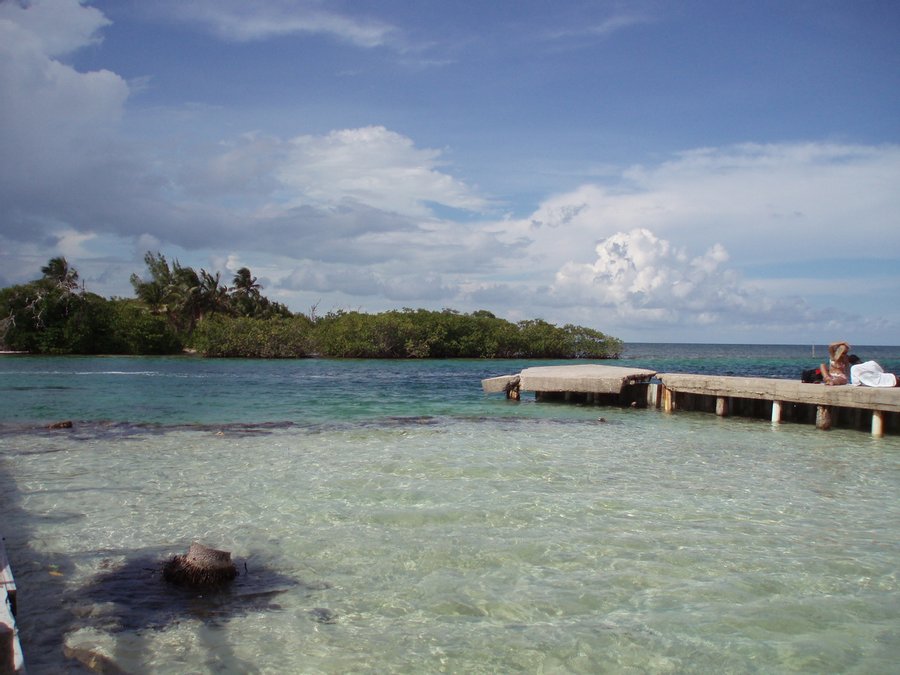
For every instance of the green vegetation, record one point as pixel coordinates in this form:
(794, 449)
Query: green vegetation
(177, 308)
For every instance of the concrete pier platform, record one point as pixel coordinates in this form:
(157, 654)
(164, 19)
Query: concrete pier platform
(776, 399)
(789, 391)
(591, 382)
(582, 378)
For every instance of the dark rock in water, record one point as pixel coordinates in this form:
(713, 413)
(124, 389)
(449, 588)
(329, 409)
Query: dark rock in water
(93, 660)
(65, 424)
(323, 615)
(132, 596)
(202, 567)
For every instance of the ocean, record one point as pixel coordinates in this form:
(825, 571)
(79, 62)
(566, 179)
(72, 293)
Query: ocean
(387, 516)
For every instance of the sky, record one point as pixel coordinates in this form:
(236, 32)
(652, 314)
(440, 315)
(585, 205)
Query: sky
(660, 170)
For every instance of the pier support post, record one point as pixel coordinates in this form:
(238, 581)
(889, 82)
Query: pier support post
(823, 417)
(653, 395)
(512, 389)
(722, 406)
(668, 399)
(776, 412)
(878, 423)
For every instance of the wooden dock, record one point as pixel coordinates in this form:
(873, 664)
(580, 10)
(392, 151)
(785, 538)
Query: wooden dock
(11, 659)
(775, 399)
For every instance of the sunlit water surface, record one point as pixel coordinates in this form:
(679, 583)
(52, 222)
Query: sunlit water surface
(388, 517)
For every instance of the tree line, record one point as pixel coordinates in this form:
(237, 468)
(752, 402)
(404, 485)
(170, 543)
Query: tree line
(176, 308)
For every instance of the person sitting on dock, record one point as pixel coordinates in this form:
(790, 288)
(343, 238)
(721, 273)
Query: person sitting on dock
(871, 374)
(838, 369)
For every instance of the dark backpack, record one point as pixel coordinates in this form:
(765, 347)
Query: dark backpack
(813, 375)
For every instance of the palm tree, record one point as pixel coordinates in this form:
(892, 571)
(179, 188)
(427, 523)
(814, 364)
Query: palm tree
(212, 296)
(179, 292)
(245, 283)
(62, 276)
(245, 293)
(156, 293)
(184, 291)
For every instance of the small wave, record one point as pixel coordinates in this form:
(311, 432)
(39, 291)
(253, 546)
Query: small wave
(146, 373)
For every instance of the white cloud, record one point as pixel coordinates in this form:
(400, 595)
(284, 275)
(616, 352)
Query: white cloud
(774, 202)
(662, 247)
(43, 98)
(605, 28)
(765, 203)
(71, 243)
(58, 27)
(370, 169)
(241, 21)
(56, 124)
(373, 166)
(65, 168)
(643, 278)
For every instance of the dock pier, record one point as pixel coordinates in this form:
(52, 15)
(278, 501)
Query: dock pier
(778, 400)
(11, 659)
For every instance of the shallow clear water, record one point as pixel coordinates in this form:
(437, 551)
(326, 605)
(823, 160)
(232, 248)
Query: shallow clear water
(394, 519)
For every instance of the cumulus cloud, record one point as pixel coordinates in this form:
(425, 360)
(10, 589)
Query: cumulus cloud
(60, 154)
(643, 278)
(47, 105)
(677, 243)
(241, 21)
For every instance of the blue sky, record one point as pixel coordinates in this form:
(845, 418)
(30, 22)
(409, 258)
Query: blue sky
(663, 171)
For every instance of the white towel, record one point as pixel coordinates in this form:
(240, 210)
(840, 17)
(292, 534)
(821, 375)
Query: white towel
(870, 374)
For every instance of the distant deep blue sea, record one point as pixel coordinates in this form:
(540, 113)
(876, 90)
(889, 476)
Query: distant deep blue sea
(387, 516)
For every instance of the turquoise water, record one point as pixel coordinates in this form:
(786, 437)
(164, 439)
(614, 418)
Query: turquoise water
(389, 517)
